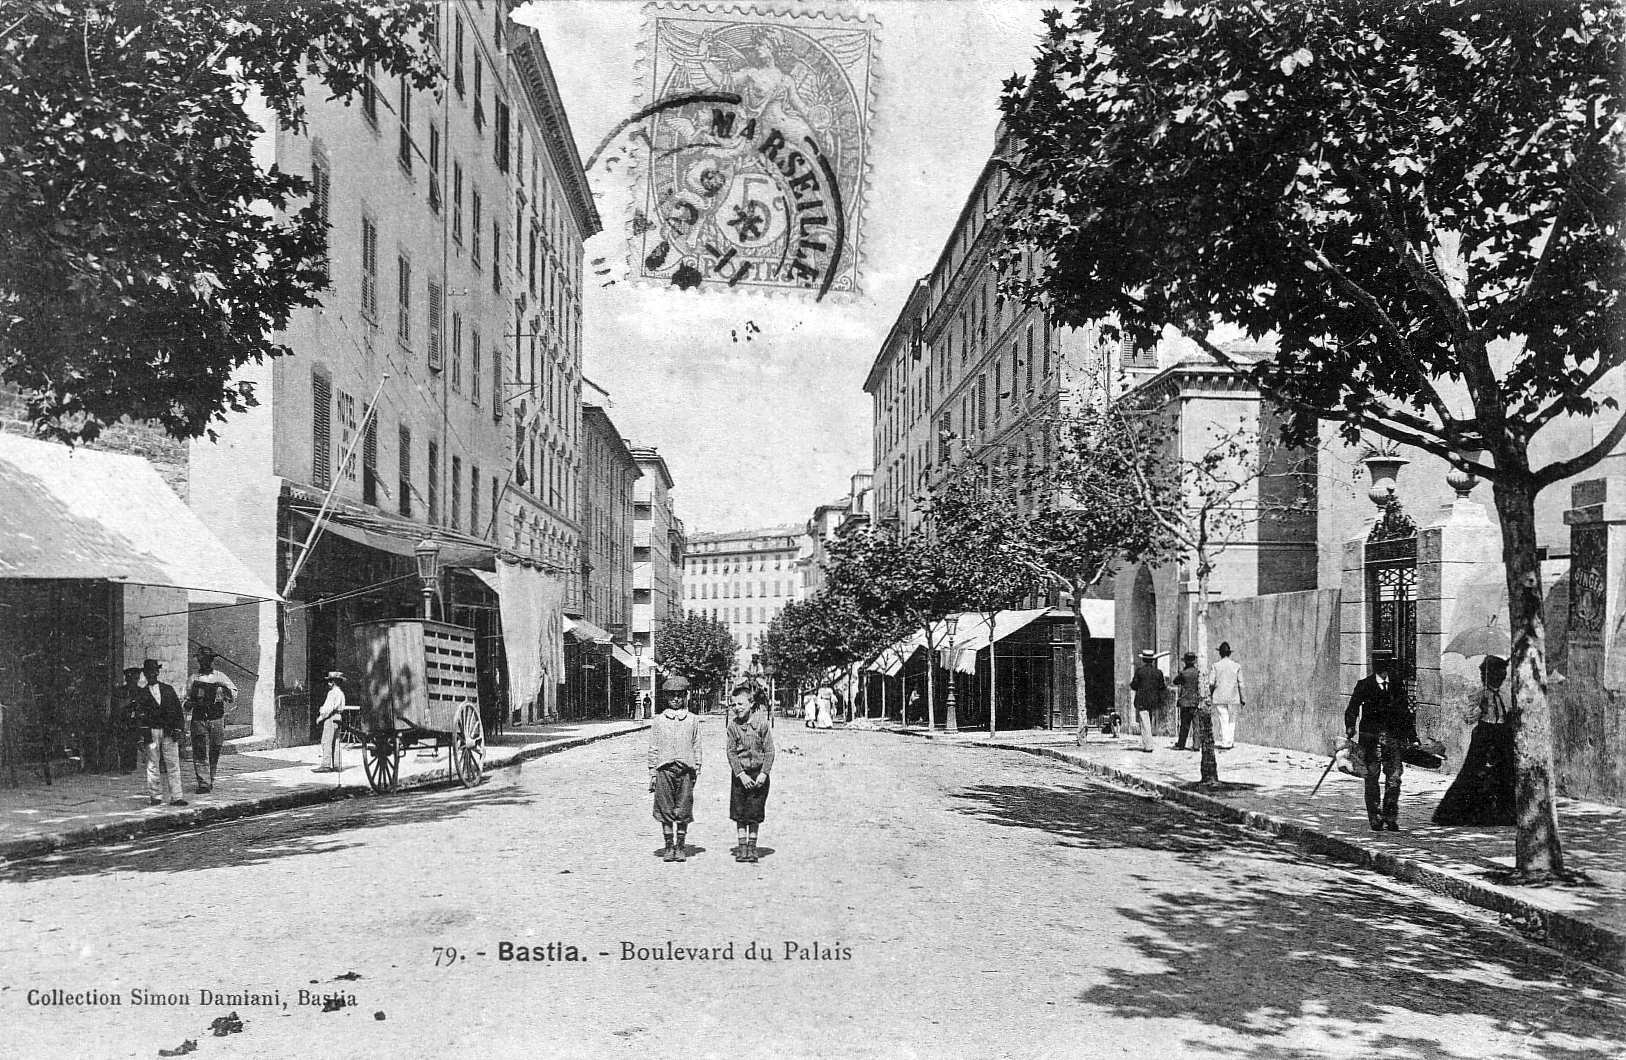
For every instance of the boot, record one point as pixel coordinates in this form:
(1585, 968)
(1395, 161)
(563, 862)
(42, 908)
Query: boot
(750, 851)
(740, 849)
(679, 851)
(670, 853)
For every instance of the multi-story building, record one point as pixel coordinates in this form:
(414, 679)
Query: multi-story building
(657, 562)
(436, 390)
(609, 475)
(743, 579)
(829, 521)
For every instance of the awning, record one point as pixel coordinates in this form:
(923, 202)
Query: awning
(585, 630)
(1098, 617)
(82, 513)
(623, 656)
(400, 537)
(971, 634)
(489, 577)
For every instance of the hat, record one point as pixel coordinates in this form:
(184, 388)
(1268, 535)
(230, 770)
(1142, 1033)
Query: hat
(1148, 653)
(335, 675)
(208, 653)
(1189, 656)
(151, 664)
(128, 670)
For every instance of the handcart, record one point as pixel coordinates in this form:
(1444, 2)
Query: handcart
(419, 688)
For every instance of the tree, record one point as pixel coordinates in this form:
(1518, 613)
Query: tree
(811, 637)
(1086, 517)
(1423, 205)
(981, 527)
(698, 647)
(147, 258)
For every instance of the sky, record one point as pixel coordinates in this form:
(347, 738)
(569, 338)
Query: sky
(759, 426)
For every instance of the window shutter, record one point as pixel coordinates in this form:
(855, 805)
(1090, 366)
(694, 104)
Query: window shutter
(321, 198)
(369, 459)
(404, 482)
(457, 353)
(434, 482)
(435, 308)
(321, 430)
(475, 369)
(369, 269)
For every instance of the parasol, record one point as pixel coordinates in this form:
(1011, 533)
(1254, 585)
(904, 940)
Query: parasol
(1488, 639)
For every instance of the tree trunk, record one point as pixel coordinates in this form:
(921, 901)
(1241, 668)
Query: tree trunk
(931, 680)
(1205, 712)
(1081, 637)
(1537, 850)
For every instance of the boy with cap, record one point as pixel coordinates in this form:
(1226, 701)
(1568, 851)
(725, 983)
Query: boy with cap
(206, 697)
(166, 719)
(674, 765)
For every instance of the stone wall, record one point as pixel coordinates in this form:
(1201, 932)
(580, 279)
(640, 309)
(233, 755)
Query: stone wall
(1287, 644)
(167, 456)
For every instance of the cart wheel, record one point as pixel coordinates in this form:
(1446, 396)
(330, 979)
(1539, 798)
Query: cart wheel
(380, 759)
(468, 746)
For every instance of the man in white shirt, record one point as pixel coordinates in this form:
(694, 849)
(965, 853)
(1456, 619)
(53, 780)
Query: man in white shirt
(1225, 692)
(207, 696)
(329, 717)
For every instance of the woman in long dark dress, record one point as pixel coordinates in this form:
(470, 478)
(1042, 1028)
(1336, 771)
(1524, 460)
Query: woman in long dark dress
(1482, 794)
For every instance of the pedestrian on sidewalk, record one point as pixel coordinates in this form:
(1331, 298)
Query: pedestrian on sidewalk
(1149, 688)
(206, 697)
(165, 721)
(674, 766)
(1188, 695)
(1226, 693)
(749, 744)
(330, 717)
(1381, 718)
(1482, 793)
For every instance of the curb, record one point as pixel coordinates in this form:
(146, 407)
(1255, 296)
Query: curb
(116, 831)
(1588, 941)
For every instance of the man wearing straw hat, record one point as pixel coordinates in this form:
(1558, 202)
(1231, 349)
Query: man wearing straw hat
(1149, 688)
(166, 719)
(331, 714)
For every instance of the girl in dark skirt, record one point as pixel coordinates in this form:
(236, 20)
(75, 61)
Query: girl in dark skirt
(750, 760)
(1482, 794)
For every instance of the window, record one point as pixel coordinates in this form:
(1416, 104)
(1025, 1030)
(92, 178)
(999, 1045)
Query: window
(404, 482)
(403, 297)
(496, 258)
(1046, 320)
(436, 309)
(500, 150)
(982, 401)
(999, 386)
(369, 97)
(1030, 356)
(530, 247)
(457, 55)
(474, 225)
(369, 460)
(474, 500)
(348, 425)
(369, 269)
(434, 167)
(479, 104)
(321, 201)
(457, 494)
(457, 202)
(945, 429)
(457, 353)
(321, 430)
(474, 367)
(404, 112)
(434, 481)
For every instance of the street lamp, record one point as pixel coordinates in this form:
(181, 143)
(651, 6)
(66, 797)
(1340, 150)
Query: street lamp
(638, 679)
(951, 625)
(427, 555)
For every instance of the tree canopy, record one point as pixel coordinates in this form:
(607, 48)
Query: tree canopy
(147, 257)
(699, 647)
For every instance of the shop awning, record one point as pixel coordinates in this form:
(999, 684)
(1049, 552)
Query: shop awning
(623, 656)
(86, 514)
(1098, 617)
(400, 536)
(971, 634)
(585, 630)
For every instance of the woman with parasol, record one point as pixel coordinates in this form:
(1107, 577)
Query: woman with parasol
(1482, 793)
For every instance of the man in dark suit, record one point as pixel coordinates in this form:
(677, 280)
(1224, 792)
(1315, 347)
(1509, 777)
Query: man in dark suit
(167, 720)
(1379, 717)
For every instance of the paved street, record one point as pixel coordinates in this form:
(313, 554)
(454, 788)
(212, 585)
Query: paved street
(964, 902)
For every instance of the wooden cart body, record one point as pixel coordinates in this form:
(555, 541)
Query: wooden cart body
(418, 687)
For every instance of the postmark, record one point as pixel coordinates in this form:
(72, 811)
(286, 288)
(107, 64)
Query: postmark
(754, 142)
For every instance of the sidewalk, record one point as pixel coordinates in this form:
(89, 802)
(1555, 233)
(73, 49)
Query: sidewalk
(86, 808)
(1268, 788)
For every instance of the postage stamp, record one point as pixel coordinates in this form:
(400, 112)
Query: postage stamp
(755, 145)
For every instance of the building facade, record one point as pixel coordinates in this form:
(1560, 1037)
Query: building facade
(436, 391)
(657, 570)
(609, 475)
(743, 579)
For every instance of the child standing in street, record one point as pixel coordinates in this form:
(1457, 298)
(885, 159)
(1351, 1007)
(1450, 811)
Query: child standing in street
(674, 765)
(750, 760)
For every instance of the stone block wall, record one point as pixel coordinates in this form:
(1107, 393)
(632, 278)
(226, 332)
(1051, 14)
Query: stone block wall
(167, 456)
(1287, 645)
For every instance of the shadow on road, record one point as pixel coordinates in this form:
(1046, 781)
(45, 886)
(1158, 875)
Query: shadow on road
(257, 840)
(1304, 962)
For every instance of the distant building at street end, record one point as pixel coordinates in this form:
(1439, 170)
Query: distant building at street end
(743, 578)
(436, 392)
(829, 521)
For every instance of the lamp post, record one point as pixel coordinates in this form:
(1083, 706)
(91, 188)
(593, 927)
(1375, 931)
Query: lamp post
(427, 555)
(638, 680)
(951, 625)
